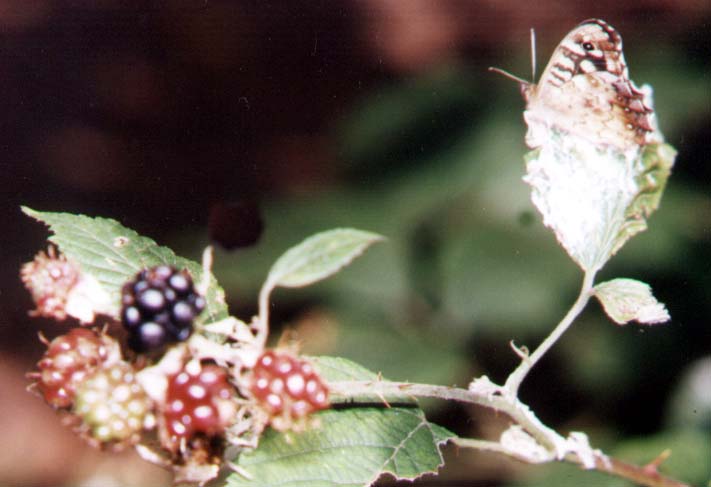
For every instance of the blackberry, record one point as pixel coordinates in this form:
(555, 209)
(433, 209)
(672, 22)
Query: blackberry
(198, 401)
(68, 361)
(287, 388)
(60, 289)
(158, 307)
(50, 277)
(112, 405)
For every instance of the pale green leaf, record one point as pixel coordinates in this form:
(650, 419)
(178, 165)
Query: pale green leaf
(593, 194)
(626, 300)
(653, 170)
(319, 257)
(351, 446)
(113, 254)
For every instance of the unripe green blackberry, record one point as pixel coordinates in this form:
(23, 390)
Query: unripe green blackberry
(158, 307)
(112, 405)
(68, 361)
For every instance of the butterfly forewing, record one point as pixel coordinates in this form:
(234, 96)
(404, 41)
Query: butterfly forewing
(585, 90)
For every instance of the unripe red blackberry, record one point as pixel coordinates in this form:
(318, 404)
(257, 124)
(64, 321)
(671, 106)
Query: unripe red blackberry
(287, 388)
(60, 289)
(199, 399)
(112, 405)
(69, 359)
(158, 307)
(50, 278)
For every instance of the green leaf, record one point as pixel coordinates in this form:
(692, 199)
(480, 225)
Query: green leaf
(654, 168)
(113, 254)
(349, 447)
(319, 257)
(335, 369)
(626, 300)
(594, 195)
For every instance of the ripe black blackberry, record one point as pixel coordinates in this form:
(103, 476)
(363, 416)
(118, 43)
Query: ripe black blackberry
(158, 307)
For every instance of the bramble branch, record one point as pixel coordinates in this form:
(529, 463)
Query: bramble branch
(514, 380)
(547, 446)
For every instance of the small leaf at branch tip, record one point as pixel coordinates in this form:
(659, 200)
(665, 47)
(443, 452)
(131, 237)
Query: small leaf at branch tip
(626, 300)
(320, 256)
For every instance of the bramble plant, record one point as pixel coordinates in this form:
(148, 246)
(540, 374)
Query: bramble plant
(198, 391)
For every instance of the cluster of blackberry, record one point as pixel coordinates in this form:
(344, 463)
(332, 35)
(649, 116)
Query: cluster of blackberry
(68, 361)
(158, 307)
(84, 372)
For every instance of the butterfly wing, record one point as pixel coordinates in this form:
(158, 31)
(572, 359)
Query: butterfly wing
(585, 90)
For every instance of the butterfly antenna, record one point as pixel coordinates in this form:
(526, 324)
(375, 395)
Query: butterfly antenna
(510, 76)
(533, 54)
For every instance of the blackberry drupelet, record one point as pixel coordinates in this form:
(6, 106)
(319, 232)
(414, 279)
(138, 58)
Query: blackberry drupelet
(158, 307)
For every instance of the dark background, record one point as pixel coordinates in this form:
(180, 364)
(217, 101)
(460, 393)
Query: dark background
(187, 119)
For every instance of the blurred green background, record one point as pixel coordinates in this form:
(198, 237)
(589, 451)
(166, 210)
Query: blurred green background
(193, 121)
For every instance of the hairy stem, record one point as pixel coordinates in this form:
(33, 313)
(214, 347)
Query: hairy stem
(514, 380)
(498, 398)
(262, 323)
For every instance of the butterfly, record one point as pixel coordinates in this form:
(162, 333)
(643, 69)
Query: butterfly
(585, 91)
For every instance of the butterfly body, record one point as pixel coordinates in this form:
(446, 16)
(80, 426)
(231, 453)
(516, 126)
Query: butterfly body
(585, 91)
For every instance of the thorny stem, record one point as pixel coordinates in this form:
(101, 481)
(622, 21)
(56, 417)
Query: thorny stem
(514, 380)
(498, 399)
(645, 475)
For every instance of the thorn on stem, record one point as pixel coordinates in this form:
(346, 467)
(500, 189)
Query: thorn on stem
(240, 470)
(385, 401)
(653, 466)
